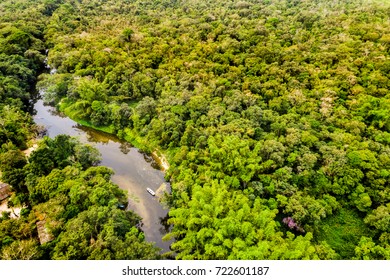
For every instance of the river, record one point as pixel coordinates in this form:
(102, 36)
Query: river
(134, 171)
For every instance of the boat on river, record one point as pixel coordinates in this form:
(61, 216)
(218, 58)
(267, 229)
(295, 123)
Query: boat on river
(133, 173)
(151, 191)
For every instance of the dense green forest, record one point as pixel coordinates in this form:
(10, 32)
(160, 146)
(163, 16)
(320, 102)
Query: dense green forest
(274, 116)
(70, 208)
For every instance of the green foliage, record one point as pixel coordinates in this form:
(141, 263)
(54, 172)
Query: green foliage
(222, 224)
(379, 219)
(76, 204)
(306, 209)
(60, 152)
(102, 233)
(54, 86)
(12, 163)
(368, 250)
(343, 232)
(58, 186)
(21, 58)
(263, 107)
(15, 127)
(22, 250)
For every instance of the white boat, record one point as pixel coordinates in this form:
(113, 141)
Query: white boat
(151, 191)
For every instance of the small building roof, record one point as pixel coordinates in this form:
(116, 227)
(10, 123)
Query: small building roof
(43, 233)
(5, 191)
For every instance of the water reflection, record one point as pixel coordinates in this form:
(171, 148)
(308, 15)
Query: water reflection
(165, 227)
(125, 147)
(54, 112)
(96, 136)
(152, 160)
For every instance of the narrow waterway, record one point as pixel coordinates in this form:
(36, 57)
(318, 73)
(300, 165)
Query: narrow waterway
(134, 171)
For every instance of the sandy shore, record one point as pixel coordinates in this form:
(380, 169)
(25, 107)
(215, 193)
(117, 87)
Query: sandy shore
(28, 151)
(4, 207)
(161, 160)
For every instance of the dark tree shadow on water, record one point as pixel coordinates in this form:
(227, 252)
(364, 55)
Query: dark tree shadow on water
(165, 227)
(125, 147)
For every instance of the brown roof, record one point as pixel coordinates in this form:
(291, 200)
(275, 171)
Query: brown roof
(5, 191)
(43, 233)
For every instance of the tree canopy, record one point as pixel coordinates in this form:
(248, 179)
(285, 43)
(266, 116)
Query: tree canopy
(70, 207)
(274, 116)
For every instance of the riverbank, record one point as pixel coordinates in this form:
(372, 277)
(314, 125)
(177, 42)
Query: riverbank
(29, 150)
(128, 135)
(134, 171)
(161, 160)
